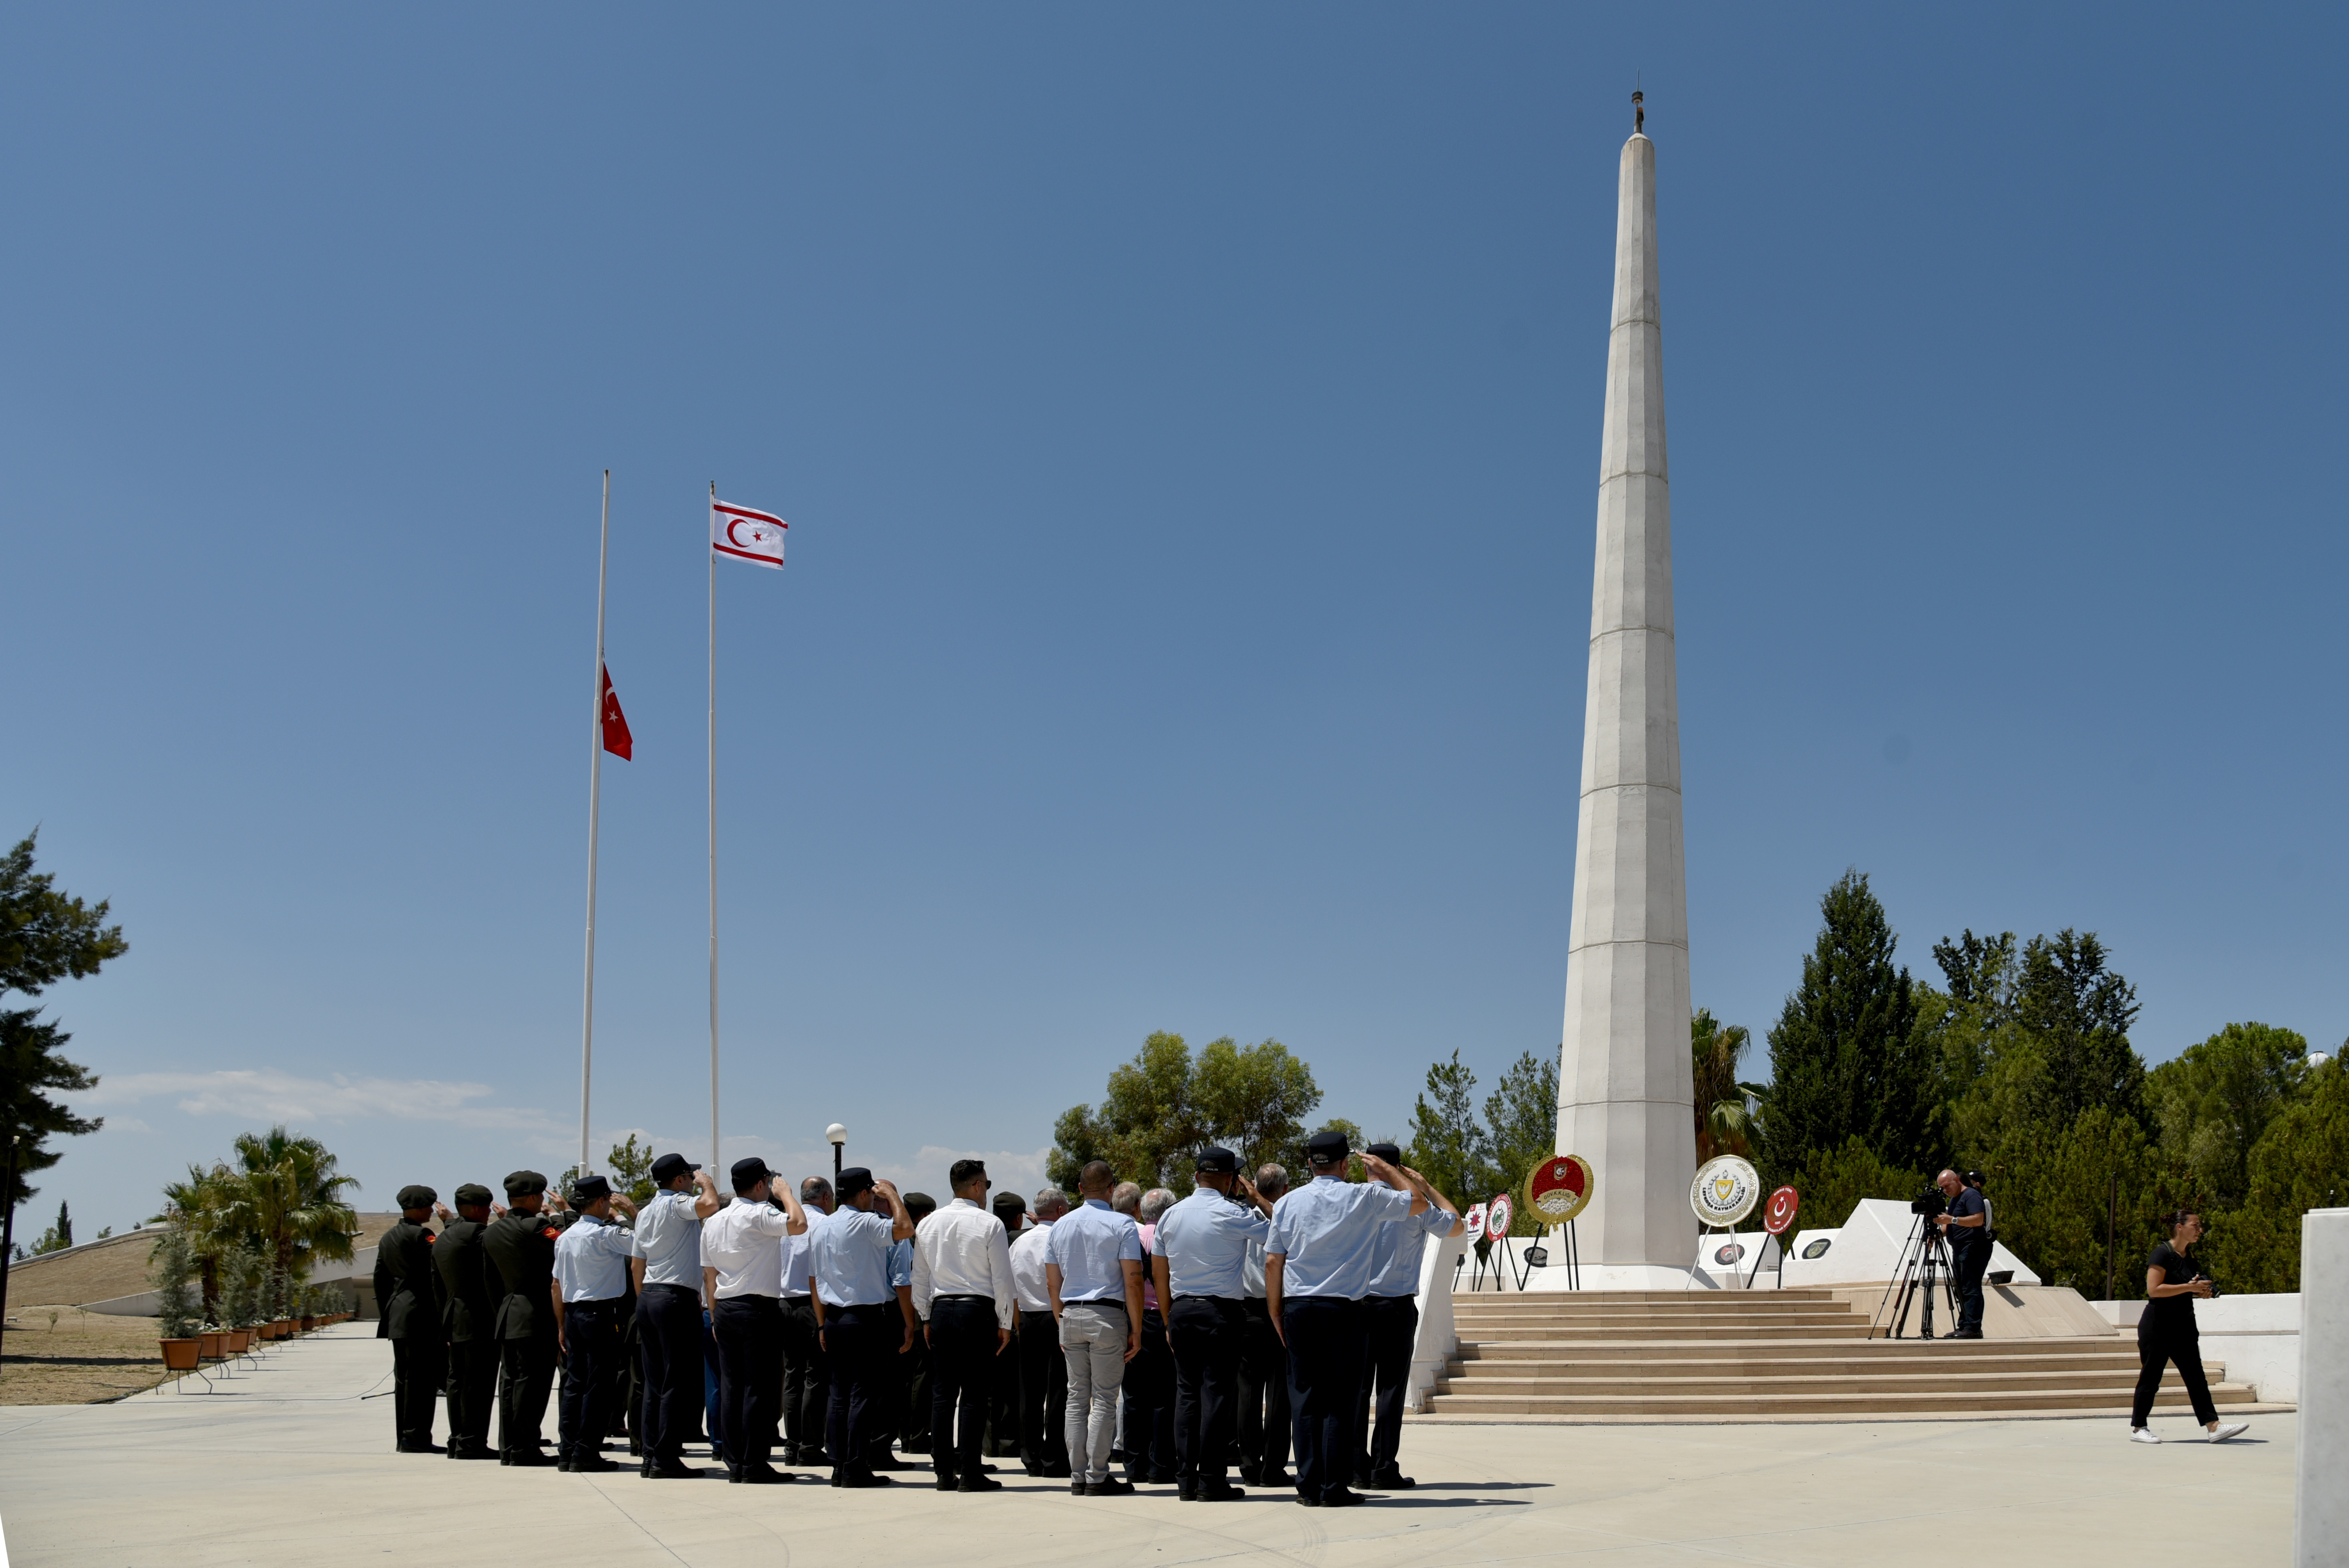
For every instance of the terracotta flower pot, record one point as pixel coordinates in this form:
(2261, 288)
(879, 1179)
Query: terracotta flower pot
(308, 1323)
(240, 1341)
(180, 1355)
(211, 1349)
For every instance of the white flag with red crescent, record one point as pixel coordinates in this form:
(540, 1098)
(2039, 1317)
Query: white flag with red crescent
(737, 532)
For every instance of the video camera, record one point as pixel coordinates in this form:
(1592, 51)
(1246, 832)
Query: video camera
(1930, 1203)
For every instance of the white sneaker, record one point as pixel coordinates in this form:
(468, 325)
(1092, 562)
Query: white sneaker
(2231, 1430)
(2142, 1435)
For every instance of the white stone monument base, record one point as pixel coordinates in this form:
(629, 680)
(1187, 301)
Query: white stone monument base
(2321, 1519)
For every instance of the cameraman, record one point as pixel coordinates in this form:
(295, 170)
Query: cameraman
(1965, 1225)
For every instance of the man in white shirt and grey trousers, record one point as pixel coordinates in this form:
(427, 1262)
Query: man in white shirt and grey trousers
(963, 1295)
(1043, 1370)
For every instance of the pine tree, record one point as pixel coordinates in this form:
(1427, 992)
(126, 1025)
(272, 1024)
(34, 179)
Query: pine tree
(1448, 1145)
(2079, 1013)
(1846, 1058)
(45, 936)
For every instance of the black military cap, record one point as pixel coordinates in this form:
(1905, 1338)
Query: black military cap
(1386, 1151)
(523, 1183)
(749, 1173)
(587, 1188)
(1217, 1161)
(668, 1168)
(855, 1180)
(921, 1205)
(417, 1197)
(472, 1192)
(1009, 1203)
(1327, 1145)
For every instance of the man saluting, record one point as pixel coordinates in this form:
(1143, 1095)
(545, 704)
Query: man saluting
(408, 1314)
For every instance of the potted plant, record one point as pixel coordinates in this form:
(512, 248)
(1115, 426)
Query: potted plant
(175, 1277)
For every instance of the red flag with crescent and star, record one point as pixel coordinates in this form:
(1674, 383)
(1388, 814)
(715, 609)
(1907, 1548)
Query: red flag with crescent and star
(737, 532)
(617, 739)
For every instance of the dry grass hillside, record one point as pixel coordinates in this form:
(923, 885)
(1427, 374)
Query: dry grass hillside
(117, 1266)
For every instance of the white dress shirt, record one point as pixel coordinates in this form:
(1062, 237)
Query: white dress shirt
(744, 1242)
(963, 1250)
(1028, 1269)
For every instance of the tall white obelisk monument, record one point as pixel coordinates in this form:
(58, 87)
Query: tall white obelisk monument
(1624, 1081)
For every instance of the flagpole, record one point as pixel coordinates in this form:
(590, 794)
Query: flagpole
(713, 836)
(595, 818)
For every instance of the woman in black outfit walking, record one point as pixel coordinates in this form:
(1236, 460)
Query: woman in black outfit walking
(2167, 1332)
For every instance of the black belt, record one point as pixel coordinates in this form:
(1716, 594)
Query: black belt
(966, 1297)
(663, 1284)
(593, 1302)
(1116, 1301)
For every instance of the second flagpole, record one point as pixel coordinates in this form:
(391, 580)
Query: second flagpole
(595, 818)
(713, 837)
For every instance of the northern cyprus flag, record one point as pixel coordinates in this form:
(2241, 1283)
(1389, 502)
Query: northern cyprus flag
(746, 535)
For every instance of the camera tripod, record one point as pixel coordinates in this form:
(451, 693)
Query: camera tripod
(1924, 1263)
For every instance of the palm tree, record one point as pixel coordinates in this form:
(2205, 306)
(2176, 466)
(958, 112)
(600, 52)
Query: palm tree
(1723, 1125)
(285, 1193)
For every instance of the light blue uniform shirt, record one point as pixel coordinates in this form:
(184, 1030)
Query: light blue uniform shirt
(1396, 1251)
(668, 1238)
(796, 1267)
(1204, 1241)
(590, 1260)
(849, 1254)
(1090, 1244)
(1325, 1230)
(901, 1264)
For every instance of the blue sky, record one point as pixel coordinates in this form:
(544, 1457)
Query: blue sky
(1187, 422)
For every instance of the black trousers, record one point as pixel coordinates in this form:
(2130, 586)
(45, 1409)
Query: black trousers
(668, 1348)
(1149, 1393)
(862, 1342)
(594, 1346)
(418, 1366)
(1263, 1395)
(472, 1393)
(1043, 1393)
(962, 1372)
(907, 1419)
(807, 1381)
(1209, 1332)
(628, 1380)
(749, 1330)
(526, 1378)
(2185, 1349)
(1003, 1399)
(1392, 1326)
(1966, 1266)
(1328, 1340)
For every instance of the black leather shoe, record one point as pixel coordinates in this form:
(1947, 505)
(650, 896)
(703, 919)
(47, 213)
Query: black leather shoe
(1392, 1480)
(946, 1483)
(1342, 1498)
(1278, 1479)
(1113, 1487)
(1076, 1487)
(592, 1464)
(764, 1475)
(1221, 1494)
(562, 1465)
(866, 1479)
(474, 1451)
(734, 1474)
(529, 1458)
(1305, 1502)
(1186, 1492)
(672, 1469)
(1251, 1476)
(1056, 1472)
(978, 1483)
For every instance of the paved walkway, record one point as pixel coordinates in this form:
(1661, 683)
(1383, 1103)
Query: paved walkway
(289, 1464)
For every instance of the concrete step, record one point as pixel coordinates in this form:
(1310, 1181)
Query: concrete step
(1730, 1384)
(1809, 1417)
(1781, 1347)
(1557, 1333)
(1847, 1404)
(1923, 1363)
(1461, 1299)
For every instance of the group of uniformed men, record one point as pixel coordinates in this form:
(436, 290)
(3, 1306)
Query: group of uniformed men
(1285, 1314)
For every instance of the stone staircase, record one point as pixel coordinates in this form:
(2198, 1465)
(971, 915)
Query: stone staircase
(1767, 1356)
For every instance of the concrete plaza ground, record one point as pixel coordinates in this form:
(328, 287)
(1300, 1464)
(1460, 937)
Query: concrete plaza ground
(290, 1464)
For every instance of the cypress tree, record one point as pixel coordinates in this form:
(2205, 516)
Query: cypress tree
(1845, 1058)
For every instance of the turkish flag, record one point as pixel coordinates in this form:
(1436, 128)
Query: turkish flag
(617, 739)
